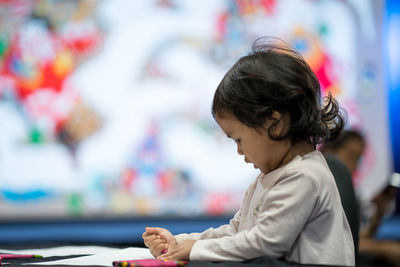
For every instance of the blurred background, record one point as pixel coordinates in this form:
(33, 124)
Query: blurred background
(105, 123)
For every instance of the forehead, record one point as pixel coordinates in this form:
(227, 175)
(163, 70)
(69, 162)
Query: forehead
(354, 144)
(229, 123)
(356, 148)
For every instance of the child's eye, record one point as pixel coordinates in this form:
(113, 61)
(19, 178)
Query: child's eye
(238, 140)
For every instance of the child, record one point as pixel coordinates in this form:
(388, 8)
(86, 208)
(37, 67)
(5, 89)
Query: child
(269, 104)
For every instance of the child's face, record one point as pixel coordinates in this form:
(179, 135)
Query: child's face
(264, 153)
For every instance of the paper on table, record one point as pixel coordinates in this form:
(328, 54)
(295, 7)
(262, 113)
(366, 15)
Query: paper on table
(62, 251)
(105, 258)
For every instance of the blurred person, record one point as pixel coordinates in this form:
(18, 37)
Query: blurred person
(349, 148)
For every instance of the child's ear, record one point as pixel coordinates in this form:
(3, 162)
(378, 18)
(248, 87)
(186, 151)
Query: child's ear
(279, 122)
(275, 116)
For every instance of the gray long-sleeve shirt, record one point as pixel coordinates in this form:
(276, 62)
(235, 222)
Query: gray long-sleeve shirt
(293, 212)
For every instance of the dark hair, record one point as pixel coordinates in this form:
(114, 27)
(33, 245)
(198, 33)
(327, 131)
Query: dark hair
(276, 78)
(344, 137)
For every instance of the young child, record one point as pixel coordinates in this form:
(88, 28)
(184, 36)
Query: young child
(269, 104)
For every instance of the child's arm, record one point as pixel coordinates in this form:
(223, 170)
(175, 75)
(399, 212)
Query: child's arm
(285, 211)
(223, 230)
(187, 240)
(157, 239)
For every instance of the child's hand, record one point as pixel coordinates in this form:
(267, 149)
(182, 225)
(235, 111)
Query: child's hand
(157, 240)
(164, 233)
(180, 251)
(155, 243)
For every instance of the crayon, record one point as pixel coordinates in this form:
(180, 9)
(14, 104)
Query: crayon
(17, 256)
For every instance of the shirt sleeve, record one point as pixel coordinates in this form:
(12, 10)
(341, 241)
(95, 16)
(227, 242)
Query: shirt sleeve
(223, 230)
(285, 211)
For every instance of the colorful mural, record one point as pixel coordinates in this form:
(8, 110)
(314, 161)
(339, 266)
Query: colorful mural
(105, 105)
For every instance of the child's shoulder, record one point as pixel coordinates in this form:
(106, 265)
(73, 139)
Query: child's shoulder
(311, 167)
(314, 164)
(307, 163)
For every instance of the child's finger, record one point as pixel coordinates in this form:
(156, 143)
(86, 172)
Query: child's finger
(149, 239)
(146, 234)
(170, 254)
(168, 237)
(159, 249)
(157, 241)
(155, 248)
(154, 230)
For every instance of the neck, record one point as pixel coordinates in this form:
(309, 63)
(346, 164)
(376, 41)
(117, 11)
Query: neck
(300, 148)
